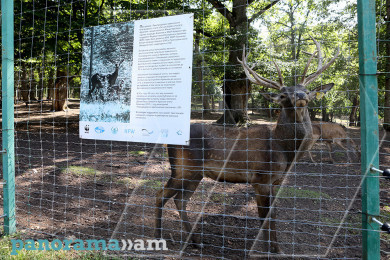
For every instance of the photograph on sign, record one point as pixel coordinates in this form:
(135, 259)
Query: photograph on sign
(136, 81)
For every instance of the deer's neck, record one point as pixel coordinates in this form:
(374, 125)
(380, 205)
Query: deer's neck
(292, 132)
(115, 74)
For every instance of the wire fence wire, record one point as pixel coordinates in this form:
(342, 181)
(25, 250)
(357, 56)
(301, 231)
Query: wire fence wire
(67, 187)
(383, 50)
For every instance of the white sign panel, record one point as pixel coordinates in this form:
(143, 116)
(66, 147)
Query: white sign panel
(136, 81)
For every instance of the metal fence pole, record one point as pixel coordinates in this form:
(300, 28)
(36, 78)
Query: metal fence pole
(369, 126)
(7, 29)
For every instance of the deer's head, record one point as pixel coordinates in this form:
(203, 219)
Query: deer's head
(117, 65)
(294, 98)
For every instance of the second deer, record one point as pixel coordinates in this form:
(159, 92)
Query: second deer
(332, 133)
(259, 155)
(99, 81)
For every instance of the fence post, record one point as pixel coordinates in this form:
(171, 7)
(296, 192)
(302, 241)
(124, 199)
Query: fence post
(369, 126)
(7, 30)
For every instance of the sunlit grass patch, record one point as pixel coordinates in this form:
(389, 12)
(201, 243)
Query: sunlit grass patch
(82, 171)
(291, 192)
(385, 213)
(352, 223)
(152, 184)
(138, 153)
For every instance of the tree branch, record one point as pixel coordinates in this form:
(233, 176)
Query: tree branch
(100, 8)
(285, 25)
(256, 15)
(223, 10)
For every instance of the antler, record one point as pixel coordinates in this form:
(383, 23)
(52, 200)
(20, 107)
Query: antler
(256, 78)
(320, 68)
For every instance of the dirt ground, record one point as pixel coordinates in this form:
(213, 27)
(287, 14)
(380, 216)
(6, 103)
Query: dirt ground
(73, 188)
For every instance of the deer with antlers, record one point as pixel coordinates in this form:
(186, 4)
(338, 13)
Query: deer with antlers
(258, 155)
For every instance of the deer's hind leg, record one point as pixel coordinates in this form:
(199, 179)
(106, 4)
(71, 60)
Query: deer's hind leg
(162, 197)
(183, 186)
(344, 147)
(181, 199)
(330, 150)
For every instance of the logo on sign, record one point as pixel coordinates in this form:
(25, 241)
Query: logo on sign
(164, 133)
(114, 130)
(99, 129)
(129, 131)
(145, 132)
(86, 129)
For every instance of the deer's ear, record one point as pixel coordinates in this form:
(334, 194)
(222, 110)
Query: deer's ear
(273, 97)
(320, 91)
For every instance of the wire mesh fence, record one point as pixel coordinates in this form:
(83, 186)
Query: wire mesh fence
(383, 45)
(72, 188)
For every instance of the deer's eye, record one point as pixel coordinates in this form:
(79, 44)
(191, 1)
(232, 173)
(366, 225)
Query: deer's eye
(283, 96)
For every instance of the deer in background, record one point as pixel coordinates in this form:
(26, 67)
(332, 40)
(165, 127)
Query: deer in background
(115, 90)
(259, 155)
(332, 133)
(98, 81)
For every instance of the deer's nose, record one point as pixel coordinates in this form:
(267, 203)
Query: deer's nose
(300, 95)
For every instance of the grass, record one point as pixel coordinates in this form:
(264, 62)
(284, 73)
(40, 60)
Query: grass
(137, 153)
(385, 213)
(221, 198)
(124, 180)
(339, 154)
(81, 171)
(6, 249)
(352, 223)
(289, 192)
(152, 184)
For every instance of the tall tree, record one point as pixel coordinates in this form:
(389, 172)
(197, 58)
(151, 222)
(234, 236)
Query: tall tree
(235, 88)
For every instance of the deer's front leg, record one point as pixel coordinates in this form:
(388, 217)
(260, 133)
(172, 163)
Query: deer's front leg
(267, 215)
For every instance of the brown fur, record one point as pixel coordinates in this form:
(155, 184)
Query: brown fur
(258, 155)
(332, 133)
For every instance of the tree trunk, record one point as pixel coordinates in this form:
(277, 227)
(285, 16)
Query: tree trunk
(386, 120)
(40, 84)
(236, 90)
(60, 98)
(25, 87)
(50, 85)
(354, 109)
(325, 115)
(236, 102)
(312, 114)
(199, 78)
